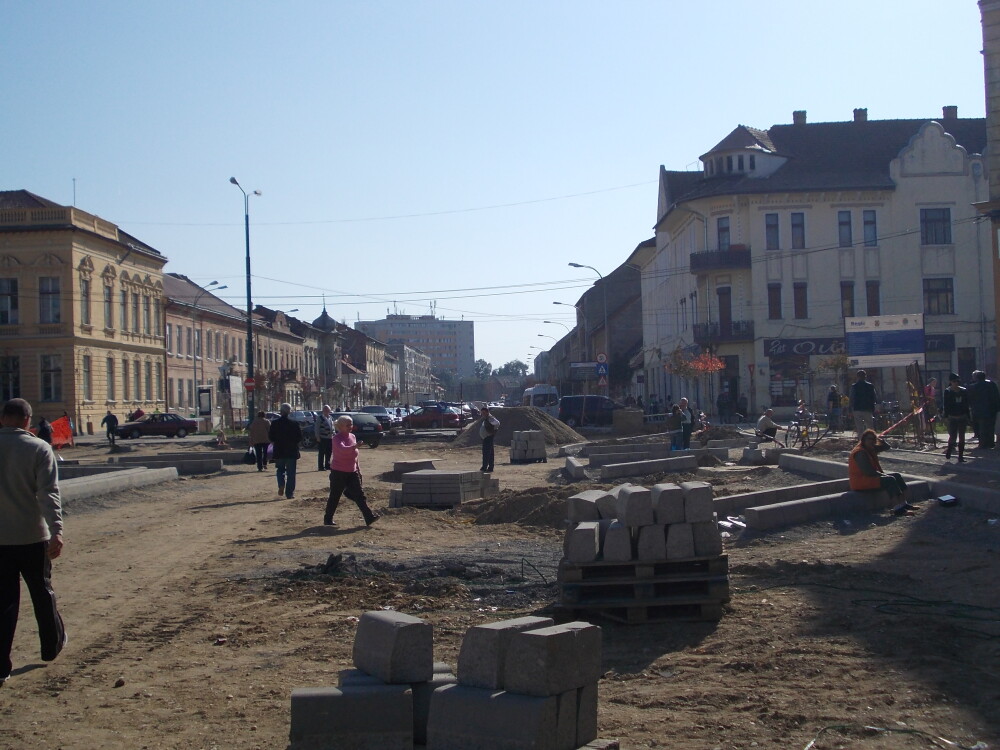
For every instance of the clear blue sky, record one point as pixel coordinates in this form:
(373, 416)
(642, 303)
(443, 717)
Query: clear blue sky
(460, 153)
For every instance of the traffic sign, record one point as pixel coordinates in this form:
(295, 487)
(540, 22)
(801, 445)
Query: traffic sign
(601, 370)
(603, 382)
(602, 358)
(249, 384)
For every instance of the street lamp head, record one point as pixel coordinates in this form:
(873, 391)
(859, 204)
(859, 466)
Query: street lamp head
(234, 181)
(220, 288)
(574, 265)
(256, 192)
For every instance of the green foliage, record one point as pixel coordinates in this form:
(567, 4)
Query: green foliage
(483, 369)
(514, 367)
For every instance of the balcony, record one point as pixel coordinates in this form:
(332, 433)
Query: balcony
(737, 256)
(723, 333)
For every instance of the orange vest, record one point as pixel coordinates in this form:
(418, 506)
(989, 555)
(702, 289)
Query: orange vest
(858, 479)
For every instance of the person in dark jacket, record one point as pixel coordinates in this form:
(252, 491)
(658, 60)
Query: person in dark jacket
(285, 435)
(956, 411)
(44, 430)
(110, 424)
(863, 400)
(984, 403)
(324, 438)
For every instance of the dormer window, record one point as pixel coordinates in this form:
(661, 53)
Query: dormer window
(739, 162)
(753, 161)
(729, 163)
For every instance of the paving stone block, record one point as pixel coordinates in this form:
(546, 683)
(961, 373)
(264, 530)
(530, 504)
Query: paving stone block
(370, 717)
(394, 647)
(680, 541)
(697, 501)
(566, 719)
(470, 718)
(607, 505)
(652, 543)
(586, 714)
(553, 660)
(574, 468)
(583, 542)
(617, 543)
(422, 693)
(668, 503)
(583, 506)
(484, 648)
(707, 539)
(635, 506)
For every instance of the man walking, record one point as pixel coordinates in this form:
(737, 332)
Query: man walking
(110, 424)
(324, 438)
(487, 432)
(863, 400)
(984, 403)
(30, 532)
(285, 435)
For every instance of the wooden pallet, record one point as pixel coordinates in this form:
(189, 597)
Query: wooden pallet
(646, 591)
(650, 612)
(570, 572)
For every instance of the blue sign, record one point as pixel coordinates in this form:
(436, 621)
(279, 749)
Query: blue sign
(601, 370)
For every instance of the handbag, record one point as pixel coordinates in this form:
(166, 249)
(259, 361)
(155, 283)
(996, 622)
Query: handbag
(249, 457)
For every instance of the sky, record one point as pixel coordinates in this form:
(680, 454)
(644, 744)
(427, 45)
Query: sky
(446, 157)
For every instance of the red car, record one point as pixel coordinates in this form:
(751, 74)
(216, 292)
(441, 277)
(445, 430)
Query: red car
(168, 425)
(433, 416)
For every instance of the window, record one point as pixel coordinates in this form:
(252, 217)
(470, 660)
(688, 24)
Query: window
(189, 338)
(157, 328)
(800, 300)
(136, 384)
(48, 300)
(844, 234)
(147, 319)
(771, 232)
(159, 381)
(939, 297)
(135, 312)
(180, 392)
(871, 228)
(149, 381)
(798, 231)
(88, 382)
(753, 161)
(170, 385)
(111, 378)
(208, 345)
(180, 341)
(125, 390)
(8, 302)
(722, 227)
(190, 393)
(123, 304)
(10, 378)
(935, 226)
(109, 317)
(51, 377)
(168, 342)
(774, 301)
(847, 299)
(729, 163)
(197, 343)
(739, 163)
(85, 301)
(873, 297)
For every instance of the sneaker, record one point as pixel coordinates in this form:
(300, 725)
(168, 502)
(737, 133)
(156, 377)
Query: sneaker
(331, 522)
(373, 519)
(290, 497)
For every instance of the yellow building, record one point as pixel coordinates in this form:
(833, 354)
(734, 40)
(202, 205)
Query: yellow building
(81, 313)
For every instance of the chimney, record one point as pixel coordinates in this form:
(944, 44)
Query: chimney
(861, 114)
(949, 113)
(799, 117)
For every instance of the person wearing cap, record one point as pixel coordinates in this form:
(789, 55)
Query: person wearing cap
(863, 400)
(956, 411)
(285, 434)
(487, 432)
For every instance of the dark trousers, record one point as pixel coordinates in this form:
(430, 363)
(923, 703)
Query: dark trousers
(984, 427)
(488, 454)
(111, 436)
(285, 472)
(686, 429)
(260, 451)
(31, 562)
(893, 484)
(956, 433)
(347, 483)
(324, 449)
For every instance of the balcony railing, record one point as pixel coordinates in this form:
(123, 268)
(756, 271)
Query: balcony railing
(715, 333)
(737, 256)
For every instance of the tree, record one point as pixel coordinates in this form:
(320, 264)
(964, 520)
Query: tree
(514, 367)
(689, 367)
(483, 369)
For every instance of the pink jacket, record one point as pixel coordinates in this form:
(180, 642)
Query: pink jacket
(345, 453)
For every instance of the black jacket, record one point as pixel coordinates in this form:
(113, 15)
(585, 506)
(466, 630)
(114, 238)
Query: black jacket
(286, 436)
(984, 399)
(956, 403)
(863, 396)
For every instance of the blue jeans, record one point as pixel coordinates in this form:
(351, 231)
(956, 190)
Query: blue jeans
(285, 469)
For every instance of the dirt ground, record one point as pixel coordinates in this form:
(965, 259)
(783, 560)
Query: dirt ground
(195, 607)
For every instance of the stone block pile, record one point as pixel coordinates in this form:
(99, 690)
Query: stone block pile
(522, 684)
(642, 554)
(434, 488)
(528, 446)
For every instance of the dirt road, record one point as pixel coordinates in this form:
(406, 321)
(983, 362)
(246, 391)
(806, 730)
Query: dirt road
(195, 607)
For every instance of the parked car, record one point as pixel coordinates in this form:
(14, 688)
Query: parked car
(587, 410)
(367, 429)
(433, 416)
(168, 425)
(382, 413)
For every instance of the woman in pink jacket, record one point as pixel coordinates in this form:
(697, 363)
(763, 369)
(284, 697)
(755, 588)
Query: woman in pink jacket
(345, 475)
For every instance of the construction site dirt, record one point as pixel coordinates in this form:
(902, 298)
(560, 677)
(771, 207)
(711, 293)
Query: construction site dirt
(194, 608)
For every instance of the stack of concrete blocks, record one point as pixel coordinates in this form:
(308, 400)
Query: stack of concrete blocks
(383, 703)
(667, 522)
(759, 453)
(527, 446)
(523, 684)
(442, 489)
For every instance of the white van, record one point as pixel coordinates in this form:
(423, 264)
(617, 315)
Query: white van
(542, 396)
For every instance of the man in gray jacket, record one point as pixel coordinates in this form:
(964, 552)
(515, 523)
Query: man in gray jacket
(30, 532)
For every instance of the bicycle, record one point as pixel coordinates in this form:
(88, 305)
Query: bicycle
(805, 435)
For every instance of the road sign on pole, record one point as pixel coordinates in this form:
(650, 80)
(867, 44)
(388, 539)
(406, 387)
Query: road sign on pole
(602, 358)
(249, 384)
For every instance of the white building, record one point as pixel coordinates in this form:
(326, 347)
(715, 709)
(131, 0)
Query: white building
(760, 256)
(449, 343)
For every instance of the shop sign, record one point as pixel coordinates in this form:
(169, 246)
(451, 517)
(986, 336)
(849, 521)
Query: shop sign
(821, 347)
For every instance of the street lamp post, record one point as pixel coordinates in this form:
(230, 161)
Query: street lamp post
(604, 290)
(557, 323)
(246, 227)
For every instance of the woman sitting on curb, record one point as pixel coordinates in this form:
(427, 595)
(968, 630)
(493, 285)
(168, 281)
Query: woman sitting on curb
(865, 471)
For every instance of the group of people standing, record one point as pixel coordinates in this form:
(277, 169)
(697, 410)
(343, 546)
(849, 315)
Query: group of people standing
(680, 424)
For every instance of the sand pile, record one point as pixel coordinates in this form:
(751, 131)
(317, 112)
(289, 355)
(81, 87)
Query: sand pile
(521, 418)
(538, 506)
